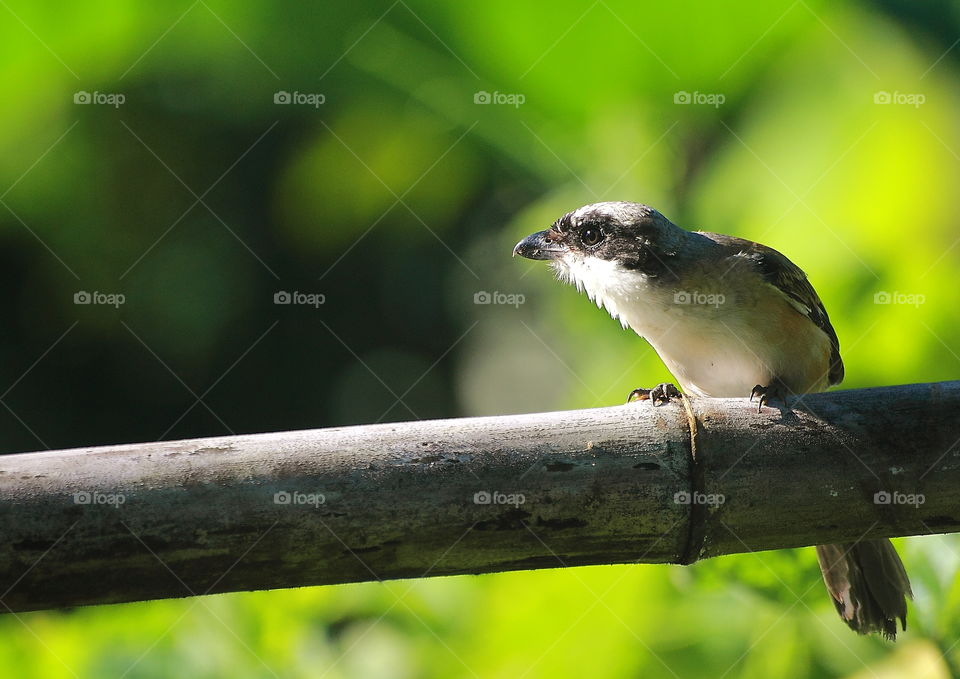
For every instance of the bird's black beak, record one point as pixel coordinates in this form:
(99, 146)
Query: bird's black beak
(540, 245)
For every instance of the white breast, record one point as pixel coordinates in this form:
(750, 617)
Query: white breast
(718, 339)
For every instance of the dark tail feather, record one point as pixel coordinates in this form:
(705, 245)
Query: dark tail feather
(868, 584)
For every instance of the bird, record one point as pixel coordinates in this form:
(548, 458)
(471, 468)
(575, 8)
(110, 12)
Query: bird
(729, 318)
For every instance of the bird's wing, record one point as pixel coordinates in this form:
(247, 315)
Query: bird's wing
(790, 279)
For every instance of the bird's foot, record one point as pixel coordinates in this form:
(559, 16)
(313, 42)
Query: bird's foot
(660, 394)
(773, 391)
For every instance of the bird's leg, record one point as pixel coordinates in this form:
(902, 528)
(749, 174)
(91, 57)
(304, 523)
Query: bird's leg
(660, 394)
(776, 390)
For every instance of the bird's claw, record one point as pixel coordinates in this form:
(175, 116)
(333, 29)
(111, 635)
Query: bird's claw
(660, 394)
(774, 390)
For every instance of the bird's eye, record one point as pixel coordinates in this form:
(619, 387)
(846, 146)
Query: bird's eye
(591, 236)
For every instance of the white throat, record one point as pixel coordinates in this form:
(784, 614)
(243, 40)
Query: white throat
(627, 295)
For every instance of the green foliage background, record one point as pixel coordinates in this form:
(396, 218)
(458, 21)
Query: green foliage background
(399, 198)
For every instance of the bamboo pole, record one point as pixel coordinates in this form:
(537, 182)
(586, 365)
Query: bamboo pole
(633, 483)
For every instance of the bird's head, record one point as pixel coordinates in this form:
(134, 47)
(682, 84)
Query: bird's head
(608, 249)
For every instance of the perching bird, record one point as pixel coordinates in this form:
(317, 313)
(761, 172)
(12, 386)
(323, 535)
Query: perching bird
(729, 318)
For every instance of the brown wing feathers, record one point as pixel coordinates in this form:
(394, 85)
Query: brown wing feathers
(792, 281)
